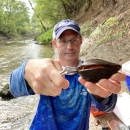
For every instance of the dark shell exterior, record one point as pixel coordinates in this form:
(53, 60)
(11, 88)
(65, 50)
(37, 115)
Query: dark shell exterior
(95, 69)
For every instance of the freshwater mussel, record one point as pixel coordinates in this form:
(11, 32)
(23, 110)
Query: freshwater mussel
(95, 69)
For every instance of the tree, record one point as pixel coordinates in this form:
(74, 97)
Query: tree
(52, 11)
(14, 17)
(49, 11)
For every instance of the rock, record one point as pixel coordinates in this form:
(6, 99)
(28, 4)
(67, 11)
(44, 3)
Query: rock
(5, 93)
(97, 122)
(39, 43)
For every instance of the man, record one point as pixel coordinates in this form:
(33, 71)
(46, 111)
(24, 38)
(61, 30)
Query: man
(65, 101)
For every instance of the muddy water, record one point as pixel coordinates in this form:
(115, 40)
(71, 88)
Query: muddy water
(18, 113)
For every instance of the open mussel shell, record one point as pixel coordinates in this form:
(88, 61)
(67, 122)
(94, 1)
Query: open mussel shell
(95, 69)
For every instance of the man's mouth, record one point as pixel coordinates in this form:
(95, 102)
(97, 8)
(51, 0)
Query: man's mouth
(70, 53)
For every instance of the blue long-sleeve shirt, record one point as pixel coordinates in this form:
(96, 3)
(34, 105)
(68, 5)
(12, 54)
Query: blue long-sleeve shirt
(68, 111)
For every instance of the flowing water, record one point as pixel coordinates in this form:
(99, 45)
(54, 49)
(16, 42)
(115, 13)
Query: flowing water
(17, 114)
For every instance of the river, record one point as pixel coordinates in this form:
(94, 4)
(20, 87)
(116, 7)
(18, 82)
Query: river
(17, 114)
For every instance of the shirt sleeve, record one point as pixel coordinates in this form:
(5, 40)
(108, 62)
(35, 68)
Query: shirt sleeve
(18, 86)
(107, 105)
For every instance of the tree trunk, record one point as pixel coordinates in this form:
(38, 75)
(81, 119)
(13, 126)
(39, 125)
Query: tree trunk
(37, 16)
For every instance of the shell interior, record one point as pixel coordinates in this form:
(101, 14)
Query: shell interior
(96, 69)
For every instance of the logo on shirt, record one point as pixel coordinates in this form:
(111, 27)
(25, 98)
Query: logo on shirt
(84, 92)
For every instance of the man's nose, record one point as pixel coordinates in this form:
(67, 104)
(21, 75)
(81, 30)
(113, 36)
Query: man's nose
(69, 45)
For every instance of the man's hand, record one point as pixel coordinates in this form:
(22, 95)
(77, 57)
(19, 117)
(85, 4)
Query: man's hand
(105, 87)
(43, 76)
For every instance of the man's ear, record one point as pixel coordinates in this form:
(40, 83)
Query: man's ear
(54, 43)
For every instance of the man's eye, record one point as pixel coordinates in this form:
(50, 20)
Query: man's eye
(73, 40)
(63, 41)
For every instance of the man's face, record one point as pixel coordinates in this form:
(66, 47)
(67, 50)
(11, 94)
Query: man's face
(68, 47)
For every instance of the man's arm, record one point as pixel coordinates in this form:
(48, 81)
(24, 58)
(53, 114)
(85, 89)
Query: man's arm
(18, 86)
(107, 104)
(40, 76)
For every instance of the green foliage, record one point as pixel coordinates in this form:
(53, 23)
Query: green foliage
(103, 39)
(14, 17)
(97, 31)
(110, 22)
(106, 31)
(46, 37)
(49, 12)
(72, 7)
(6, 86)
(102, 28)
(86, 28)
(120, 33)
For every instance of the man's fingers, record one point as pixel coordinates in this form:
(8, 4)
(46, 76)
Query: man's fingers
(120, 76)
(103, 88)
(89, 85)
(81, 80)
(95, 89)
(44, 77)
(52, 71)
(49, 90)
(52, 88)
(58, 80)
(57, 65)
(110, 85)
